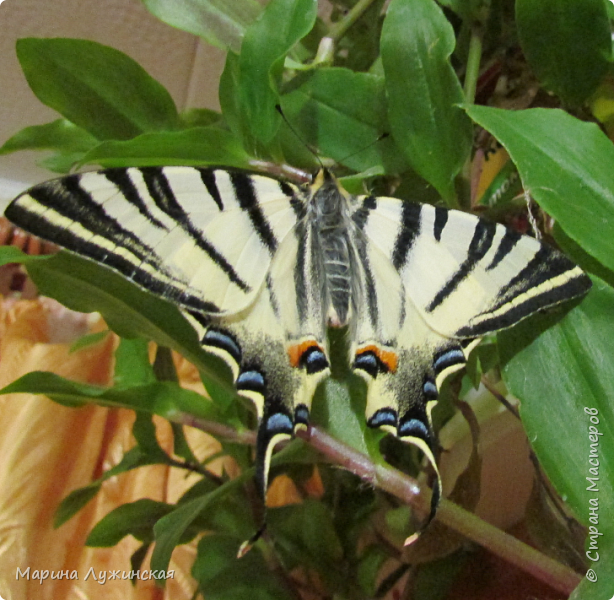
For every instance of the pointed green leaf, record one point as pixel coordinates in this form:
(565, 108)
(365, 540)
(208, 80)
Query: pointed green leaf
(565, 382)
(57, 135)
(341, 125)
(163, 398)
(567, 44)
(144, 432)
(135, 518)
(170, 529)
(91, 339)
(423, 90)
(78, 498)
(12, 254)
(219, 22)
(96, 87)
(566, 165)
(199, 146)
(74, 502)
(267, 41)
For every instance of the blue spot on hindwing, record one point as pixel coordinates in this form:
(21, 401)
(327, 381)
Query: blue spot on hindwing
(430, 390)
(224, 341)
(367, 361)
(251, 380)
(313, 360)
(279, 423)
(301, 414)
(414, 428)
(384, 416)
(449, 357)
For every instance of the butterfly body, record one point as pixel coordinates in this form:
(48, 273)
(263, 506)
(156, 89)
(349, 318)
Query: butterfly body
(262, 267)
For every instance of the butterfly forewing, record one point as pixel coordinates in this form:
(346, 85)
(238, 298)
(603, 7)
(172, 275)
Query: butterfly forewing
(201, 237)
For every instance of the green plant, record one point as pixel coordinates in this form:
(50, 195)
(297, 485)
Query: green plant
(395, 73)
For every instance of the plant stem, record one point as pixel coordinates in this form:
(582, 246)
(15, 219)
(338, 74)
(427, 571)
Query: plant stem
(385, 477)
(338, 30)
(473, 63)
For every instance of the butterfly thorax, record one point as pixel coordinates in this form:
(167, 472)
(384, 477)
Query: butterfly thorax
(332, 230)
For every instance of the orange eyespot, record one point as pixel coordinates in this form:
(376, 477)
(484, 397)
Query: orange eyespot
(389, 358)
(296, 351)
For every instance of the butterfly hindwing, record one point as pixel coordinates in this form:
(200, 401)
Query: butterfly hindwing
(441, 279)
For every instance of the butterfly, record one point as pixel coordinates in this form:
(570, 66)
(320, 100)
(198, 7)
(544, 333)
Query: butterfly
(261, 267)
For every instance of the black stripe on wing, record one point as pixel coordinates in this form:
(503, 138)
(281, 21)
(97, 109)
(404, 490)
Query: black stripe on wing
(300, 274)
(162, 194)
(407, 234)
(361, 215)
(479, 246)
(369, 283)
(162, 283)
(248, 201)
(207, 176)
(506, 245)
(575, 287)
(121, 178)
(441, 218)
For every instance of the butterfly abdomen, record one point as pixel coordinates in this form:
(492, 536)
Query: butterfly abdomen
(332, 243)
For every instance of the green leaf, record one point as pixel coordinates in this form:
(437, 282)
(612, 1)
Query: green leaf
(91, 339)
(96, 87)
(84, 286)
(180, 444)
(229, 95)
(371, 560)
(163, 398)
(78, 498)
(566, 165)
(219, 22)
(132, 366)
(144, 432)
(267, 41)
(344, 126)
(567, 44)
(12, 254)
(198, 146)
(334, 408)
(61, 162)
(306, 532)
(57, 135)
(74, 502)
(222, 577)
(423, 89)
(134, 518)
(170, 529)
(566, 384)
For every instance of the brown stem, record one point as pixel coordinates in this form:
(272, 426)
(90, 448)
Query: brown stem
(385, 477)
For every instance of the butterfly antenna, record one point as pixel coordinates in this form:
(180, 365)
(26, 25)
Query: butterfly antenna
(298, 137)
(381, 137)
